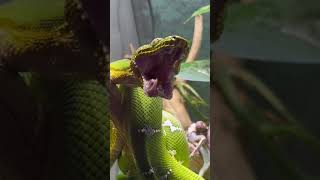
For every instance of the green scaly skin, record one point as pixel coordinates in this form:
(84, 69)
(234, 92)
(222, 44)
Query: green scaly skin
(175, 142)
(148, 144)
(81, 149)
(116, 143)
(175, 138)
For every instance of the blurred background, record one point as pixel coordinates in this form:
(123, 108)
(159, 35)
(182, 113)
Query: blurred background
(265, 92)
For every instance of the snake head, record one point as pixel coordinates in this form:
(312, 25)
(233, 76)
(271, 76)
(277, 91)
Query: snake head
(158, 63)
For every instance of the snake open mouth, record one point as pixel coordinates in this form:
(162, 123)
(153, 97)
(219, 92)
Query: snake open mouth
(158, 70)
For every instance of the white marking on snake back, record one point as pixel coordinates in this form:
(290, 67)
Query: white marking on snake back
(171, 126)
(149, 131)
(172, 152)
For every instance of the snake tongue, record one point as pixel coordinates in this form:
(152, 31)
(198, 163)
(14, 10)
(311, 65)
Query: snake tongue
(153, 88)
(150, 87)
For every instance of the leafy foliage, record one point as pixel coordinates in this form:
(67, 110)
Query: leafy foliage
(282, 31)
(198, 70)
(200, 11)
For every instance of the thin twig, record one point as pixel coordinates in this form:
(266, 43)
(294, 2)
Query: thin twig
(199, 144)
(197, 38)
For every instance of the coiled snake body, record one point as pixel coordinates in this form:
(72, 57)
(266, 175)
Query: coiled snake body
(155, 139)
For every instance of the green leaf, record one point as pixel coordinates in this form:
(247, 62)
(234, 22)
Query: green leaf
(202, 10)
(198, 70)
(267, 31)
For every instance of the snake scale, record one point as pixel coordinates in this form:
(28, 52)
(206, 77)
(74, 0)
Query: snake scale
(76, 108)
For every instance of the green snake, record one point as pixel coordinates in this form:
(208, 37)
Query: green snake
(157, 152)
(77, 109)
